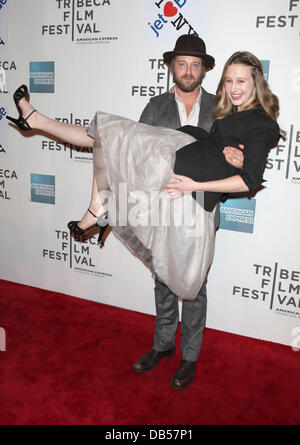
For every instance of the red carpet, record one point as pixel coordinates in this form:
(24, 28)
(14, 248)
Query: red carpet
(68, 362)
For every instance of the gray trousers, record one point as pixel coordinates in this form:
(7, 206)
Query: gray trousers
(167, 317)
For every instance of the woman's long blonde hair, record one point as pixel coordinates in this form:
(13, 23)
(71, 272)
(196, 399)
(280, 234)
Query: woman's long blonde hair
(264, 95)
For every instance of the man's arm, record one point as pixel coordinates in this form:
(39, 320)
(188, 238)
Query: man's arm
(148, 115)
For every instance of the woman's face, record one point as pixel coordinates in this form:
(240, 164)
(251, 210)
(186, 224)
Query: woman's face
(239, 85)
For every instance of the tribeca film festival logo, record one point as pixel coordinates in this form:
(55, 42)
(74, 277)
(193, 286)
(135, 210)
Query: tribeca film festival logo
(285, 158)
(160, 80)
(78, 154)
(170, 12)
(286, 20)
(277, 287)
(76, 252)
(80, 19)
(5, 176)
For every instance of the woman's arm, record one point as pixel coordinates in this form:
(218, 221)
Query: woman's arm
(259, 138)
(233, 184)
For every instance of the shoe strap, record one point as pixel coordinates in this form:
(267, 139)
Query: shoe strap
(20, 93)
(92, 213)
(29, 115)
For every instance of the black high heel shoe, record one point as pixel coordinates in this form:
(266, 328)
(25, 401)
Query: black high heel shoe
(78, 231)
(21, 122)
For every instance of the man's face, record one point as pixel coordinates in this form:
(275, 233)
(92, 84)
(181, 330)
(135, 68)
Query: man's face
(188, 72)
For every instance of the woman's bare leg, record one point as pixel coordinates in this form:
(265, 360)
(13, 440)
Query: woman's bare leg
(72, 134)
(95, 207)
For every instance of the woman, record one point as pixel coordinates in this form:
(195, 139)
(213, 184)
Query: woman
(143, 158)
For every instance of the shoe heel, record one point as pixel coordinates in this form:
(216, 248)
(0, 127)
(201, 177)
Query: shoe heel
(101, 234)
(15, 121)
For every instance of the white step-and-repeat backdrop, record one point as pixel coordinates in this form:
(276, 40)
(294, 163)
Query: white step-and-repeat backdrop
(79, 56)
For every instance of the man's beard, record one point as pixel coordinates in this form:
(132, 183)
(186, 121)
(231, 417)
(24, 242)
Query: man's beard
(187, 88)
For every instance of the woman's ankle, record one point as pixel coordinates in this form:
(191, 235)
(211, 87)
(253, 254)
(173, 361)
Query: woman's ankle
(96, 208)
(27, 113)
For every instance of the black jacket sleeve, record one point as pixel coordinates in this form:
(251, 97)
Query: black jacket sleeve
(257, 144)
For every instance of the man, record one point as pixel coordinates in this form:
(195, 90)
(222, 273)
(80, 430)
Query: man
(189, 104)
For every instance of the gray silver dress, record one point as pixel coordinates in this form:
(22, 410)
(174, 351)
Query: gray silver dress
(174, 237)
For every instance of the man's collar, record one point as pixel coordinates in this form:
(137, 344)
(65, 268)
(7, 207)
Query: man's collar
(177, 97)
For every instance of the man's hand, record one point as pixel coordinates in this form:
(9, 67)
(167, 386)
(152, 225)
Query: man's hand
(234, 156)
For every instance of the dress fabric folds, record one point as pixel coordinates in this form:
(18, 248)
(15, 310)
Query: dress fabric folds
(173, 236)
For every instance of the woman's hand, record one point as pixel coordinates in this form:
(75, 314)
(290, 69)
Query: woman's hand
(233, 184)
(184, 184)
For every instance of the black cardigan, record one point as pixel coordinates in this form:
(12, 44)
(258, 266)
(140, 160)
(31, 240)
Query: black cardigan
(204, 160)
